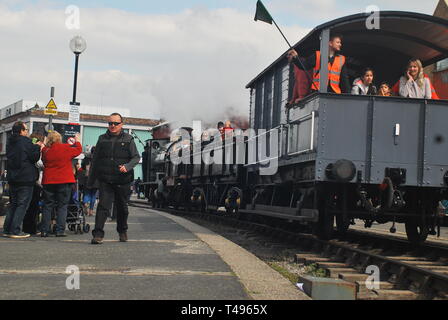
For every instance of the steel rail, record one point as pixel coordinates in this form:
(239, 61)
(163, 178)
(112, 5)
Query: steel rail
(356, 258)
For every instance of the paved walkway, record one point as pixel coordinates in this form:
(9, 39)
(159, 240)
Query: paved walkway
(166, 258)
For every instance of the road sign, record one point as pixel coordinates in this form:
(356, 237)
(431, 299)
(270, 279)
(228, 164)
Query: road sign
(51, 108)
(71, 140)
(73, 116)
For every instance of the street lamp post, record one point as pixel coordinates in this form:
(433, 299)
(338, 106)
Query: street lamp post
(77, 45)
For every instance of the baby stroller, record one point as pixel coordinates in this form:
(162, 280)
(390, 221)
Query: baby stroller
(76, 218)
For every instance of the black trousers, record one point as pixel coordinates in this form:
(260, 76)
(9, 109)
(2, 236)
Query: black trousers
(109, 194)
(32, 214)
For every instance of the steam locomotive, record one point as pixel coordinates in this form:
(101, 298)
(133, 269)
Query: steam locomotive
(337, 157)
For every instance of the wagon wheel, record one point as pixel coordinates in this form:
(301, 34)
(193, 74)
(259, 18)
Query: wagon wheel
(233, 200)
(416, 229)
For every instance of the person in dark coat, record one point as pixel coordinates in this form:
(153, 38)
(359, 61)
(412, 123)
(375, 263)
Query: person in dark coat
(113, 162)
(30, 222)
(22, 156)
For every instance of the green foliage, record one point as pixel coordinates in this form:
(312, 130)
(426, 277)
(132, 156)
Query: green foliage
(285, 273)
(314, 271)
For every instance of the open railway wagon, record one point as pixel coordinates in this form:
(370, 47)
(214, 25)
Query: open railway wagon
(342, 157)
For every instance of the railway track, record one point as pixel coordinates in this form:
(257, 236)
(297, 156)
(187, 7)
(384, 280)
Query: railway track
(403, 271)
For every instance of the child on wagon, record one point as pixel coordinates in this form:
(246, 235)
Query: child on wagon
(364, 84)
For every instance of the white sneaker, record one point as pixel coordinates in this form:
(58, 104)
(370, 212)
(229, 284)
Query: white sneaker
(21, 235)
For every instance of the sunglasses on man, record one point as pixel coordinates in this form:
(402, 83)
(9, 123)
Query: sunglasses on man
(114, 123)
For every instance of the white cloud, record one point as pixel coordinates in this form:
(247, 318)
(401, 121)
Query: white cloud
(192, 65)
(316, 12)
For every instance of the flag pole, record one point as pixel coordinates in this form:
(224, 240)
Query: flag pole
(263, 14)
(298, 58)
(290, 47)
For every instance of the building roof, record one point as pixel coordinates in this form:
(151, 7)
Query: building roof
(83, 118)
(99, 118)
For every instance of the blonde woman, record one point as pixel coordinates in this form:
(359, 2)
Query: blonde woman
(414, 84)
(57, 180)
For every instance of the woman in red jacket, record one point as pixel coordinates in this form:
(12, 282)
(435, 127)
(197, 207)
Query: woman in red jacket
(57, 180)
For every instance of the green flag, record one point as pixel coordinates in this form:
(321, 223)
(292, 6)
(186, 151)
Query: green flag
(262, 14)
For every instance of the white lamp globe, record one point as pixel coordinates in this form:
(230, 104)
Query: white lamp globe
(78, 45)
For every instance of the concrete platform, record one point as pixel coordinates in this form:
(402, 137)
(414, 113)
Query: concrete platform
(166, 258)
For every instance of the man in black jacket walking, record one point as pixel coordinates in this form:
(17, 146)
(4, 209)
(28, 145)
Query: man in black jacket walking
(22, 156)
(113, 161)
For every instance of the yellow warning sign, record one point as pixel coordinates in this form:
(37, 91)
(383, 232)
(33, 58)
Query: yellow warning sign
(51, 108)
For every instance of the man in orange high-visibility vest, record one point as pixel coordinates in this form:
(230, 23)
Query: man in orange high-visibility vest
(338, 81)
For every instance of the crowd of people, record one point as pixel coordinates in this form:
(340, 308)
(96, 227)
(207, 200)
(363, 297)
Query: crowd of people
(43, 177)
(412, 84)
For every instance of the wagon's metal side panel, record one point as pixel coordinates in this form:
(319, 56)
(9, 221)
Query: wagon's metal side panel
(397, 138)
(295, 146)
(268, 101)
(259, 102)
(277, 105)
(436, 144)
(302, 129)
(378, 133)
(343, 133)
(284, 91)
(252, 108)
